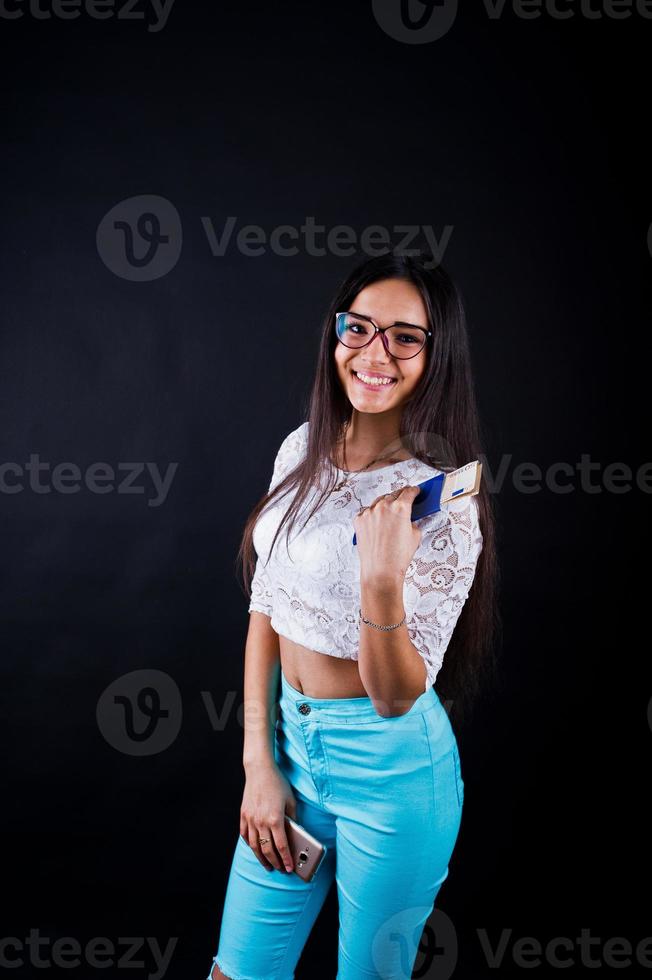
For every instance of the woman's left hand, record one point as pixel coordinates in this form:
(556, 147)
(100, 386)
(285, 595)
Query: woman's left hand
(386, 538)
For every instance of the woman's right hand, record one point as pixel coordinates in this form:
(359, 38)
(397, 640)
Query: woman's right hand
(266, 799)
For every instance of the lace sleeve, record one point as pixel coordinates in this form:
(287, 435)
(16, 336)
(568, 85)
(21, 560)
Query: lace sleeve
(286, 459)
(261, 590)
(439, 578)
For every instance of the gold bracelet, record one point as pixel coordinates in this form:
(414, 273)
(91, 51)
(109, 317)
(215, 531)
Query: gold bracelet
(377, 627)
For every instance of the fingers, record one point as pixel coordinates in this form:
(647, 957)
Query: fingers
(408, 493)
(282, 846)
(260, 850)
(405, 496)
(273, 851)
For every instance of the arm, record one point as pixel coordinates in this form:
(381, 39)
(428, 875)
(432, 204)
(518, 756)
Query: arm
(435, 585)
(391, 669)
(261, 674)
(262, 649)
(267, 794)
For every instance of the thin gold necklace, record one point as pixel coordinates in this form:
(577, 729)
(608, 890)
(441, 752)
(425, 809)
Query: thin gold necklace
(343, 482)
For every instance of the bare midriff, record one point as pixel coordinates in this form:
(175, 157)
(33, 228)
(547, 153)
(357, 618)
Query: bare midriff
(319, 675)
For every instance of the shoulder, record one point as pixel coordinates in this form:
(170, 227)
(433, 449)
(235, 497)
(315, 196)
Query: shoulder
(290, 452)
(295, 440)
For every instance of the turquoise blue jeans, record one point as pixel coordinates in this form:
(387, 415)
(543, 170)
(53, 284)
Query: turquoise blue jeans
(385, 796)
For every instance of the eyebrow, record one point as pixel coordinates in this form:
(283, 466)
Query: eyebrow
(396, 323)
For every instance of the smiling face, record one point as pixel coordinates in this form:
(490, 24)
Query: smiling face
(386, 301)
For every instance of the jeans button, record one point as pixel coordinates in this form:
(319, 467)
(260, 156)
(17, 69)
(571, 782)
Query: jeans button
(304, 709)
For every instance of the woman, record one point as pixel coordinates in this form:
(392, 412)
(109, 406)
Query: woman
(363, 754)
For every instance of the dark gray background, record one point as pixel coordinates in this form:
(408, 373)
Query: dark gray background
(527, 137)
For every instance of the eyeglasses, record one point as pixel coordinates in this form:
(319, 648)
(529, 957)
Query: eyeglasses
(400, 340)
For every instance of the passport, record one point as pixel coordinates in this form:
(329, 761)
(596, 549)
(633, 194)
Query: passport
(441, 489)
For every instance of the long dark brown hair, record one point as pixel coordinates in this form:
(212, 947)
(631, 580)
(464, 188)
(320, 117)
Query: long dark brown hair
(439, 425)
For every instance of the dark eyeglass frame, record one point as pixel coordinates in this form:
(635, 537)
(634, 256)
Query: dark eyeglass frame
(381, 331)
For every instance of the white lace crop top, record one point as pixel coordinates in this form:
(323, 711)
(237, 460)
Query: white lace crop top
(313, 595)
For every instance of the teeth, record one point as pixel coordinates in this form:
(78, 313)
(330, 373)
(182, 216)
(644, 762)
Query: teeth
(373, 381)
